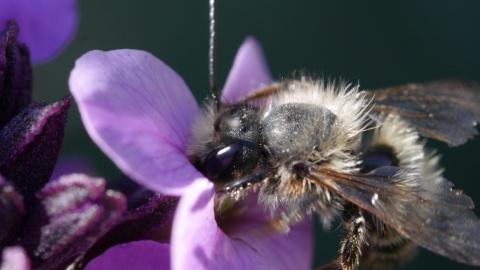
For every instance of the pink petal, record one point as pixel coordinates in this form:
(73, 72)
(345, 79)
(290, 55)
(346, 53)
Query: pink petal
(145, 255)
(46, 26)
(249, 72)
(14, 258)
(251, 243)
(139, 112)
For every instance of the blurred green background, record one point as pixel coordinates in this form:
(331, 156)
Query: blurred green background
(376, 43)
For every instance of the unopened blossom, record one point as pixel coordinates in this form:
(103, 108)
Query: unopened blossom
(31, 133)
(148, 217)
(157, 110)
(46, 25)
(15, 73)
(43, 225)
(54, 222)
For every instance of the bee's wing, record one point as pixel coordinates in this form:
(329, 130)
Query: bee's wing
(435, 216)
(444, 110)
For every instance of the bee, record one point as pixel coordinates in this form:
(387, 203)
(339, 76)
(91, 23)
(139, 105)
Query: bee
(315, 147)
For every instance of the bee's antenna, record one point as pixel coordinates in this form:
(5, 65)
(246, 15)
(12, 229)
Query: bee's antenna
(211, 57)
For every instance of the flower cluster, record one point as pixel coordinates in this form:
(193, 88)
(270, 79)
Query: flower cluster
(165, 217)
(48, 221)
(44, 223)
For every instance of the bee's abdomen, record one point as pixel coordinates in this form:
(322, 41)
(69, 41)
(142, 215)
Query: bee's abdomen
(387, 248)
(296, 129)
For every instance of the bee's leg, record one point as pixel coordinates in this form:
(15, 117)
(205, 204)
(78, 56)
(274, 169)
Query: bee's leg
(244, 182)
(351, 249)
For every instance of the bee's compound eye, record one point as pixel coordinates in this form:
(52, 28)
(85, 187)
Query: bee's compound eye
(221, 160)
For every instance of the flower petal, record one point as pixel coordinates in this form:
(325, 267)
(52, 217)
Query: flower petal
(146, 255)
(69, 216)
(30, 143)
(14, 258)
(250, 243)
(249, 72)
(139, 112)
(11, 211)
(45, 25)
(15, 74)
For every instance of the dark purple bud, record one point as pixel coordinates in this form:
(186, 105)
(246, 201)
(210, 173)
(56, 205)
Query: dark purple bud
(15, 74)
(149, 217)
(71, 214)
(30, 143)
(11, 211)
(136, 194)
(151, 220)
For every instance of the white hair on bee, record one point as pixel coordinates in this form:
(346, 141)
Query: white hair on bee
(409, 149)
(336, 151)
(421, 173)
(202, 128)
(347, 103)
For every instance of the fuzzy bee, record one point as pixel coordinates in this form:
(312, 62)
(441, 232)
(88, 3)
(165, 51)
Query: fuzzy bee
(310, 146)
(308, 149)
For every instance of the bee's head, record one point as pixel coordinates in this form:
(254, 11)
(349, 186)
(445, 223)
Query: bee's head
(224, 145)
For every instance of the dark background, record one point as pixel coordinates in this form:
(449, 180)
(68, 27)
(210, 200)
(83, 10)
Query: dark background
(375, 43)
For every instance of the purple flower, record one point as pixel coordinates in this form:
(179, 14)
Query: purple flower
(46, 26)
(140, 112)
